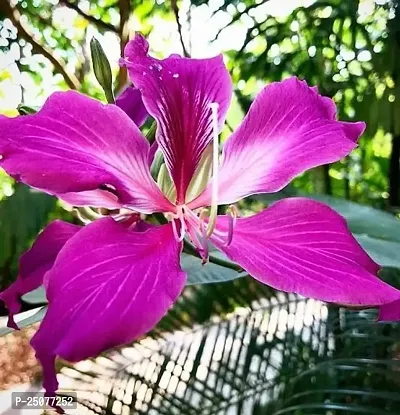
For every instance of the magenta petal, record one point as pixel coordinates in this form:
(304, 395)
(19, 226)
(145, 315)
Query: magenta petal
(177, 92)
(289, 129)
(74, 144)
(130, 101)
(95, 198)
(152, 152)
(390, 311)
(109, 285)
(303, 246)
(34, 264)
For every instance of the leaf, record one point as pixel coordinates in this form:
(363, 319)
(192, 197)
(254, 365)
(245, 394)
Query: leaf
(37, 296)
(385, 253)
(209, 272)
(360, 218)
(364, 219)
(25, 319)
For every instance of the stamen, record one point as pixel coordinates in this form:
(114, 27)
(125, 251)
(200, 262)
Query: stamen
(230, 231)
(214, 196)
(90, 213)
(233, 213)
(204, 236)
(180, 216)
(79, 215)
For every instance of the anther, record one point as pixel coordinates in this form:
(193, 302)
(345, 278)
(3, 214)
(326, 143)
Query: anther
(204, 236)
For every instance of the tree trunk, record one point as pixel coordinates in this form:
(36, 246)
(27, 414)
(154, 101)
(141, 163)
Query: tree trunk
(124, 13)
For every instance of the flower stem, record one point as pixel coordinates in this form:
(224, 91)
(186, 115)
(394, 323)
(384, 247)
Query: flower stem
(188, 248)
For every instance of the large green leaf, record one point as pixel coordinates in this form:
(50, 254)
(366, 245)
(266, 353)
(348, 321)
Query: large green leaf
(377, 231)
(385, 253)
(37, 296)
(365, 219)
(209, 272)
(362, 219)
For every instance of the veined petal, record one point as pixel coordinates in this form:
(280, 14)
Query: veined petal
(130, 101)
(177, 92)
(303, 246)
(108, 286)
(94, 198)
(75, 143)
(34, 264)
(390, 311)
(288, 129)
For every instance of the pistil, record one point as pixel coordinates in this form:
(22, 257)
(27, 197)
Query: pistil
(214, 195)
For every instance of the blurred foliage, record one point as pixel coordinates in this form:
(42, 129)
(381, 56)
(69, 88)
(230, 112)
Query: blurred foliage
(22, 216)
(350, 50)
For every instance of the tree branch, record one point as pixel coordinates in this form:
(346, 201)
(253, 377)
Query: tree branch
(97, 22)
(175, 8)
(15, 17)
(124, 14)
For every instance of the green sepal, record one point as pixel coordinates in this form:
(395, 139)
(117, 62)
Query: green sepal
(201, 176)
(166, 184)
(25, 110)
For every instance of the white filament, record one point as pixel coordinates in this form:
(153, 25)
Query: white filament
(179, 238)
(214, 195)
(179, 215)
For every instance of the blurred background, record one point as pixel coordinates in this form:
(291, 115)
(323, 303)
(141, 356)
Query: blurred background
(235, 347)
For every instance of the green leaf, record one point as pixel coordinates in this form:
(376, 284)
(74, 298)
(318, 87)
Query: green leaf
(364, 219)
(209, 272)
(360, 218)
(377, 231)
(385, 253)
(102, 69)
(24, 319)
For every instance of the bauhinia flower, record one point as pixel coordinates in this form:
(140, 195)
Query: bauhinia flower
(111, 281)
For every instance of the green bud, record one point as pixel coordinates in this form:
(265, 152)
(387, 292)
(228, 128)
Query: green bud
(25, 110)
(102, 69)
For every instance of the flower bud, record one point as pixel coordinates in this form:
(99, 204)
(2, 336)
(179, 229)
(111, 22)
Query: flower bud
(102, 69)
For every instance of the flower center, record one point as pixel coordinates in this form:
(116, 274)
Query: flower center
(196, 224)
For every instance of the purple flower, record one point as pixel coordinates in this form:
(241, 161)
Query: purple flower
(111, 281)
